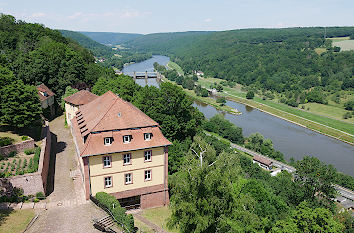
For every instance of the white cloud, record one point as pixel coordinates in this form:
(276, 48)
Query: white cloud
(75, 15)
(38, 15)
(207, 20)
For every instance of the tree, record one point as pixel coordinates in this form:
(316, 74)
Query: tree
(19, 104)
(336, 49)
(349, 105)
(317, 178)
(250, 95)
(122, 85)
(202, 191)
(306, 219)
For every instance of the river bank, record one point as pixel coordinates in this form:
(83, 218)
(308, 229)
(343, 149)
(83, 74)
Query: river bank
(290, 115)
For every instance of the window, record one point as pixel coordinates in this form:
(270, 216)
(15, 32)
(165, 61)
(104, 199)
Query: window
(147, 156)
(127, 138)
(107, 161)
(147, 136)
(127, 159)
(128, 178)
(148, 175)
(107, 141)
(108, 182)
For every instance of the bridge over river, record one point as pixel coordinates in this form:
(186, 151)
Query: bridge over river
(142, 75)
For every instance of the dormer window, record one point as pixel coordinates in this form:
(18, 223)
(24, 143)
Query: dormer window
(127, 138)
(45, 94)
(147, 136)
(107, 141)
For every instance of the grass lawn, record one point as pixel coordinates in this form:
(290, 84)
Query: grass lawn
(15, 221)
(327, 110)
(142, 226)
(159, 217)
(175, 66)
(319, 51)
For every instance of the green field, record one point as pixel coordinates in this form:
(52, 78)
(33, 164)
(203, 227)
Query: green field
(336, 39)
(175, 66)
(325, 125)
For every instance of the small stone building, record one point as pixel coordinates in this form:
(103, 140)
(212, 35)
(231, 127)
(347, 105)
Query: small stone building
(46, 96)
(73, 103)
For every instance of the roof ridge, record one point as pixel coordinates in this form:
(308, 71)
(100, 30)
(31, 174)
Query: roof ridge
(116, 99)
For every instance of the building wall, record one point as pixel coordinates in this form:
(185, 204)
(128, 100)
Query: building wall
(70, 111)
(118, 170)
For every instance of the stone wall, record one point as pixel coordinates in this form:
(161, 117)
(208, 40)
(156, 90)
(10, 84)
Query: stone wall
(32, 183)
(18, 147)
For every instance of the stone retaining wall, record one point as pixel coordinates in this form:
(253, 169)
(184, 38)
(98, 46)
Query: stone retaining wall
(32, 183)
(18, 147)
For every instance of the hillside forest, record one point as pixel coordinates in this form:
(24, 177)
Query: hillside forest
(293, 65)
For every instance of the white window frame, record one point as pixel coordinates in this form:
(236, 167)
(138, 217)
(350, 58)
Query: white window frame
(130, 159)
(147, 173)
(147, 153)
(128, 178)
(127, 138)
(108, 179)
(147, 136)
(107, 141)
(108, 160)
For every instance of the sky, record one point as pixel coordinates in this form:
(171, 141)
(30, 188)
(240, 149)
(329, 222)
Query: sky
(150, 16)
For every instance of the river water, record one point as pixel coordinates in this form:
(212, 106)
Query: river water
(292, 140)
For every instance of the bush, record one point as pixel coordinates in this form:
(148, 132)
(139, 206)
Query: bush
(12, 154)
(29, 151)
(349, 105)
(5, 141)
(117, 211)
(250, 95)
(221, 101)
(24, 138)
(347, 115)
(40, 195)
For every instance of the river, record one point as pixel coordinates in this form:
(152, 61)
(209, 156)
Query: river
(292, 140)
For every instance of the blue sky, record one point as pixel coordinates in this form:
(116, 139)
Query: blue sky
(148, 16)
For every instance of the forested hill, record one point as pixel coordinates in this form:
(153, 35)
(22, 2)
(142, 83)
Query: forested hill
(35, 54)
(98, 49)
(277, 60)
(111, 38)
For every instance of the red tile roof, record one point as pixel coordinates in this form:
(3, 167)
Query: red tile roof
(44, 89)
(262, 160)
(110, 116)
(80, 98)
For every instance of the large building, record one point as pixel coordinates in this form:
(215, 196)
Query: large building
(122, 152)
(73, 103)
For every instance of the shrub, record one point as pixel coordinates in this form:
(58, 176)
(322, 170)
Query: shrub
(24, 138)
(29, 151)
(5, 141)
(12, 154)
(117, 211)
(40, 195)
(349, 105)
(347, 115)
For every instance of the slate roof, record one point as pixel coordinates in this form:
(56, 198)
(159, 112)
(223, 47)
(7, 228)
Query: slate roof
(80, 98)
(110, 116)
(44, 89)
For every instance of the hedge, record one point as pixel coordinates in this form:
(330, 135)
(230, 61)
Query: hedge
(112, 204)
